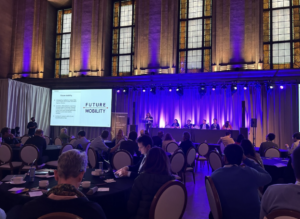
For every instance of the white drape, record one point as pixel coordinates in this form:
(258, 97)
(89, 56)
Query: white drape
(20, 101)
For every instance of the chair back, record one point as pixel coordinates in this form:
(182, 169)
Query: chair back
(203, 149)
(5, 153)
(222, 147)
(169, 202)
(215, 160)
(66, 148)
(92, 157)
(58, 141)
(24, 138)
(272, 152)
(47, 138)
(177, 162)
(213, 198)
(87, 147)
(29, 153)
(72, 141)
(121, 159)
(191, 156)
(60, 215)
(283, 214)
(171, 147)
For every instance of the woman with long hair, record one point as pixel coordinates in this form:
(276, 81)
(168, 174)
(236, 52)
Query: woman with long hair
(156, 172)
(250, 153)
(175, 124)
(186, 143)
(227, 126)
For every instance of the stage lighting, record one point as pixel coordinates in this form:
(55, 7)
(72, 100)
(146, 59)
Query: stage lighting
(246, 87)
(179, 90)
(234, 87)
(118, 91)
(270, 86)
(170, 89)
(153, 90)
(224, 86)
(125, 90)
(202, 90)
(281, 87)
(214, 87)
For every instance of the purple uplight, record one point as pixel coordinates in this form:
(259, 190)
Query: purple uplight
(118, 91)
(245, 88)
(281, 87)
(170, 89)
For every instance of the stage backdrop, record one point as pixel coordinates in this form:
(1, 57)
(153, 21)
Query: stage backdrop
(276, 110)
(20, 101)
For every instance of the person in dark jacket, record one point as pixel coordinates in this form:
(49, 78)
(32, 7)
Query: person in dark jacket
(155, 174)
(157, 140)
(31, 126)
(130, 145)
(9, 138)
(186, 144)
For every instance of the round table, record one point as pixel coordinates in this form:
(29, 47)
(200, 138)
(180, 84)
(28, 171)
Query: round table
(113, 203)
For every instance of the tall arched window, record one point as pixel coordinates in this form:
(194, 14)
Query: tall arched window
(281, 34)
(123, 37)
(195, 36)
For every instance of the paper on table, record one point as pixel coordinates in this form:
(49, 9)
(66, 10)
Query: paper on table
(109, 180)
(280, 165)
(15, 189)
(35, 194)
(44, 176)
(103, 189)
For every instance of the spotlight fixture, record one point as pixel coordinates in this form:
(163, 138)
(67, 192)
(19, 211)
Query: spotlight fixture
(118, 91)
(153, 90)
(125, 90)
(170, 89)
(246, 87)
(202, 90)
(234, 87)
(270, 86)
(179, 90)
(281, 87)
(214, 87)
(144, 89)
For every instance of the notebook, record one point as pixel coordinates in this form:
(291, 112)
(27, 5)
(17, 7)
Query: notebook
(9, 177)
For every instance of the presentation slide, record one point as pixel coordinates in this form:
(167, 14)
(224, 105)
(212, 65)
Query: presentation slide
(91, 108)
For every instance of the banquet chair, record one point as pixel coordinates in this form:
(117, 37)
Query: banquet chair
(92, 157)
(222, 147)
(171, 147)
(6, 155)
(283, 214)
(86, 147)
(29, 155)
(190, 163)
(177, 163)
(169, 202)
(203, 150)
(64, 149)
(213, 198)
(215, 160)
(58, 141)
(60, 215)
(272, 152)
(24, 138)
(47, 138)
(121, 159)
(72, 141)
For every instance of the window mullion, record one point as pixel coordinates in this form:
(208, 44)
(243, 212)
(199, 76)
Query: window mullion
(202, 46)
(291, 35)
(118, 61)
(271, 34)
(187, 36)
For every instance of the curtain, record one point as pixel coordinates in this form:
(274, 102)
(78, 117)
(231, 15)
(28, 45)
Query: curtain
(22, 102)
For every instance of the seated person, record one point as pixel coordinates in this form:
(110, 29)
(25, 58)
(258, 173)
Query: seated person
(9, 138)
(175, 125)
(186, 144)
(268, 144)
(237, 186)
(215, 125)
(168, 139)
(285, 196)
(250, 153)
(204, 125)
(81, 140)
(130, 145)
(39, 141)
(227, 126)
(17, 129)
(99, 145)
(2, 214)
(142, 132)
(145, 144)
(296, 143)
(239, 139)
(119, 138)
(65, 197)
(226, 140)
(157, 140)
(64, 137)
(189, 125)
(156, 173)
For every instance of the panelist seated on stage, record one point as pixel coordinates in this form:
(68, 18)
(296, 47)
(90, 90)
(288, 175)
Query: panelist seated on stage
(204, 125)
(9, 138)
(268, 144)
(215, 125)
(226, 140)
(176, 124)
(189, 125)
(168, 139)
(145, 144)
(227, 126)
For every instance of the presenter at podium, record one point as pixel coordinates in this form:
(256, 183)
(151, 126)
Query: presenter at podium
(148, 121)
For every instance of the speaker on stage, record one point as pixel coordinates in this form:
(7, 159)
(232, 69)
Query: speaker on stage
(253, 123)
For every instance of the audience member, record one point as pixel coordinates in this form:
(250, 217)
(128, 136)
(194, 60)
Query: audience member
(9, 138)
(156, 172)
(296, 143)
(147, 133)
(64, 137)
(130, 145)
(157, 140)
(268, 144)
(204, 125)
(119, 138)
(2, 214)
(32, 126)
(215, 125)
(145, 144)
(189, 125)
(17, 129)
(237, 186)
(99, 145)
(39, 141)
(186, 144)
(239, 139)
(168, 139)
(250, 153)
(175, 124)
(65, 197)
(226, 140)
(227, 126)
(285, 196)
(81, 140)
(142, 132)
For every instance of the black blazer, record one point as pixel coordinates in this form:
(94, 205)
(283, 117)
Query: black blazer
(201, 126)
(186, 145)
(131, 147)
(40, 143)
(212, 127)
(134, 169)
